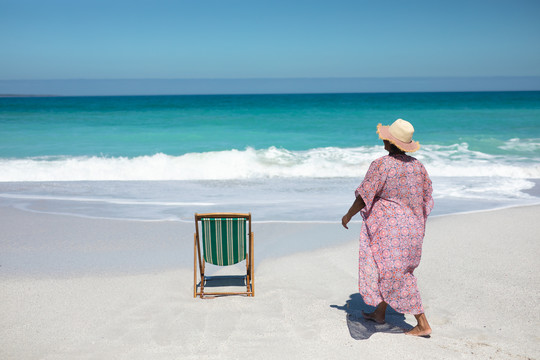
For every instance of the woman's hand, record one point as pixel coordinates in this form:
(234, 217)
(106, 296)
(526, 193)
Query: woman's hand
(345, 220)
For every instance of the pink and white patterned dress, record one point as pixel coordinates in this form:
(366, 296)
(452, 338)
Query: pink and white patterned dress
(397, 193)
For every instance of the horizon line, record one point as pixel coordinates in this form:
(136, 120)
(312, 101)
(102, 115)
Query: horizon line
(6, 96)
(282, 78)
(245, 86)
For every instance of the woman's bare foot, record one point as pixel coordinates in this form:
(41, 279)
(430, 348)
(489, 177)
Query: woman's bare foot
(422, 328)
(374, 317)
(378, 314)
(417, 331)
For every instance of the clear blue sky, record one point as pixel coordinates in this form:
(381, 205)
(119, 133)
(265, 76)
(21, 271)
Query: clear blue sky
(126, 39)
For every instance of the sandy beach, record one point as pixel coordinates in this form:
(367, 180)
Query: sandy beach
(79, 288)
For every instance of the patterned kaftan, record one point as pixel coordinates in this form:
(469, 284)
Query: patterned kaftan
(397, 192)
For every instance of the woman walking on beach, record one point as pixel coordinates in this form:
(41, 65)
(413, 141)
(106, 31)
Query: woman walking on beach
(394, 200)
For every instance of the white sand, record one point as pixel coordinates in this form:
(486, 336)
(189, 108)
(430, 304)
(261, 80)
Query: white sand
(479, 278)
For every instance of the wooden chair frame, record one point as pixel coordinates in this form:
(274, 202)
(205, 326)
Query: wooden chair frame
(199, 287)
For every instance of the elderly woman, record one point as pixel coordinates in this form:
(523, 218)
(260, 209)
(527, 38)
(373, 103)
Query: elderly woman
(394, 201)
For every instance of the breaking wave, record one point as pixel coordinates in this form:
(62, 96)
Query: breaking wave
(331, 162)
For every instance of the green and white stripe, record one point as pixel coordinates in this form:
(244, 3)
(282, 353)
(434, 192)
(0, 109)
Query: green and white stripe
(224, 240)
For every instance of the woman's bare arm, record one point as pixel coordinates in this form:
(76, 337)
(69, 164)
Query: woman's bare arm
(357, 205)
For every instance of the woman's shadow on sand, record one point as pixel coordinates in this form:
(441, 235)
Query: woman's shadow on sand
(361, 328)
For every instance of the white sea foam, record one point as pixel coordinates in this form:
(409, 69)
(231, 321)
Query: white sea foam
(523, 145)
(442, 161)
(114, 201)
(481, 188)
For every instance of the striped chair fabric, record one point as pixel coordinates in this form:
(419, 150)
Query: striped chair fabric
(224, 240)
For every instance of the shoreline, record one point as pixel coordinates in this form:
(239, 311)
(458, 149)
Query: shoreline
(123, 246)
(273, 200)
(475, 269)
(142, 246)
(536, 202)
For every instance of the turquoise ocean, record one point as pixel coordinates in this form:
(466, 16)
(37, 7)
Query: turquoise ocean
(281, 157)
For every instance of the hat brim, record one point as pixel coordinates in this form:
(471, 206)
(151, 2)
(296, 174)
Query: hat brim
(384, 134)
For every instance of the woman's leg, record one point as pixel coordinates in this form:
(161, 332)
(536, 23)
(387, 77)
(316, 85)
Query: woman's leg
(378, 314)
(422, 328)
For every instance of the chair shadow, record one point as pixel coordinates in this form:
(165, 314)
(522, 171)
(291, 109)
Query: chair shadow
(225, 280)
(361, 328)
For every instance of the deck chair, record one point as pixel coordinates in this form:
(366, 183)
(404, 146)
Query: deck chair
(224, 238)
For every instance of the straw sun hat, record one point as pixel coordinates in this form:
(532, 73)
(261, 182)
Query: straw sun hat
(400, 134)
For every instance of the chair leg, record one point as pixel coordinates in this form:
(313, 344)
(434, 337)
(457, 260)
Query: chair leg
(248, 276)
(202, 280)
(251, 270)
(195, 266)
(202, 287)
